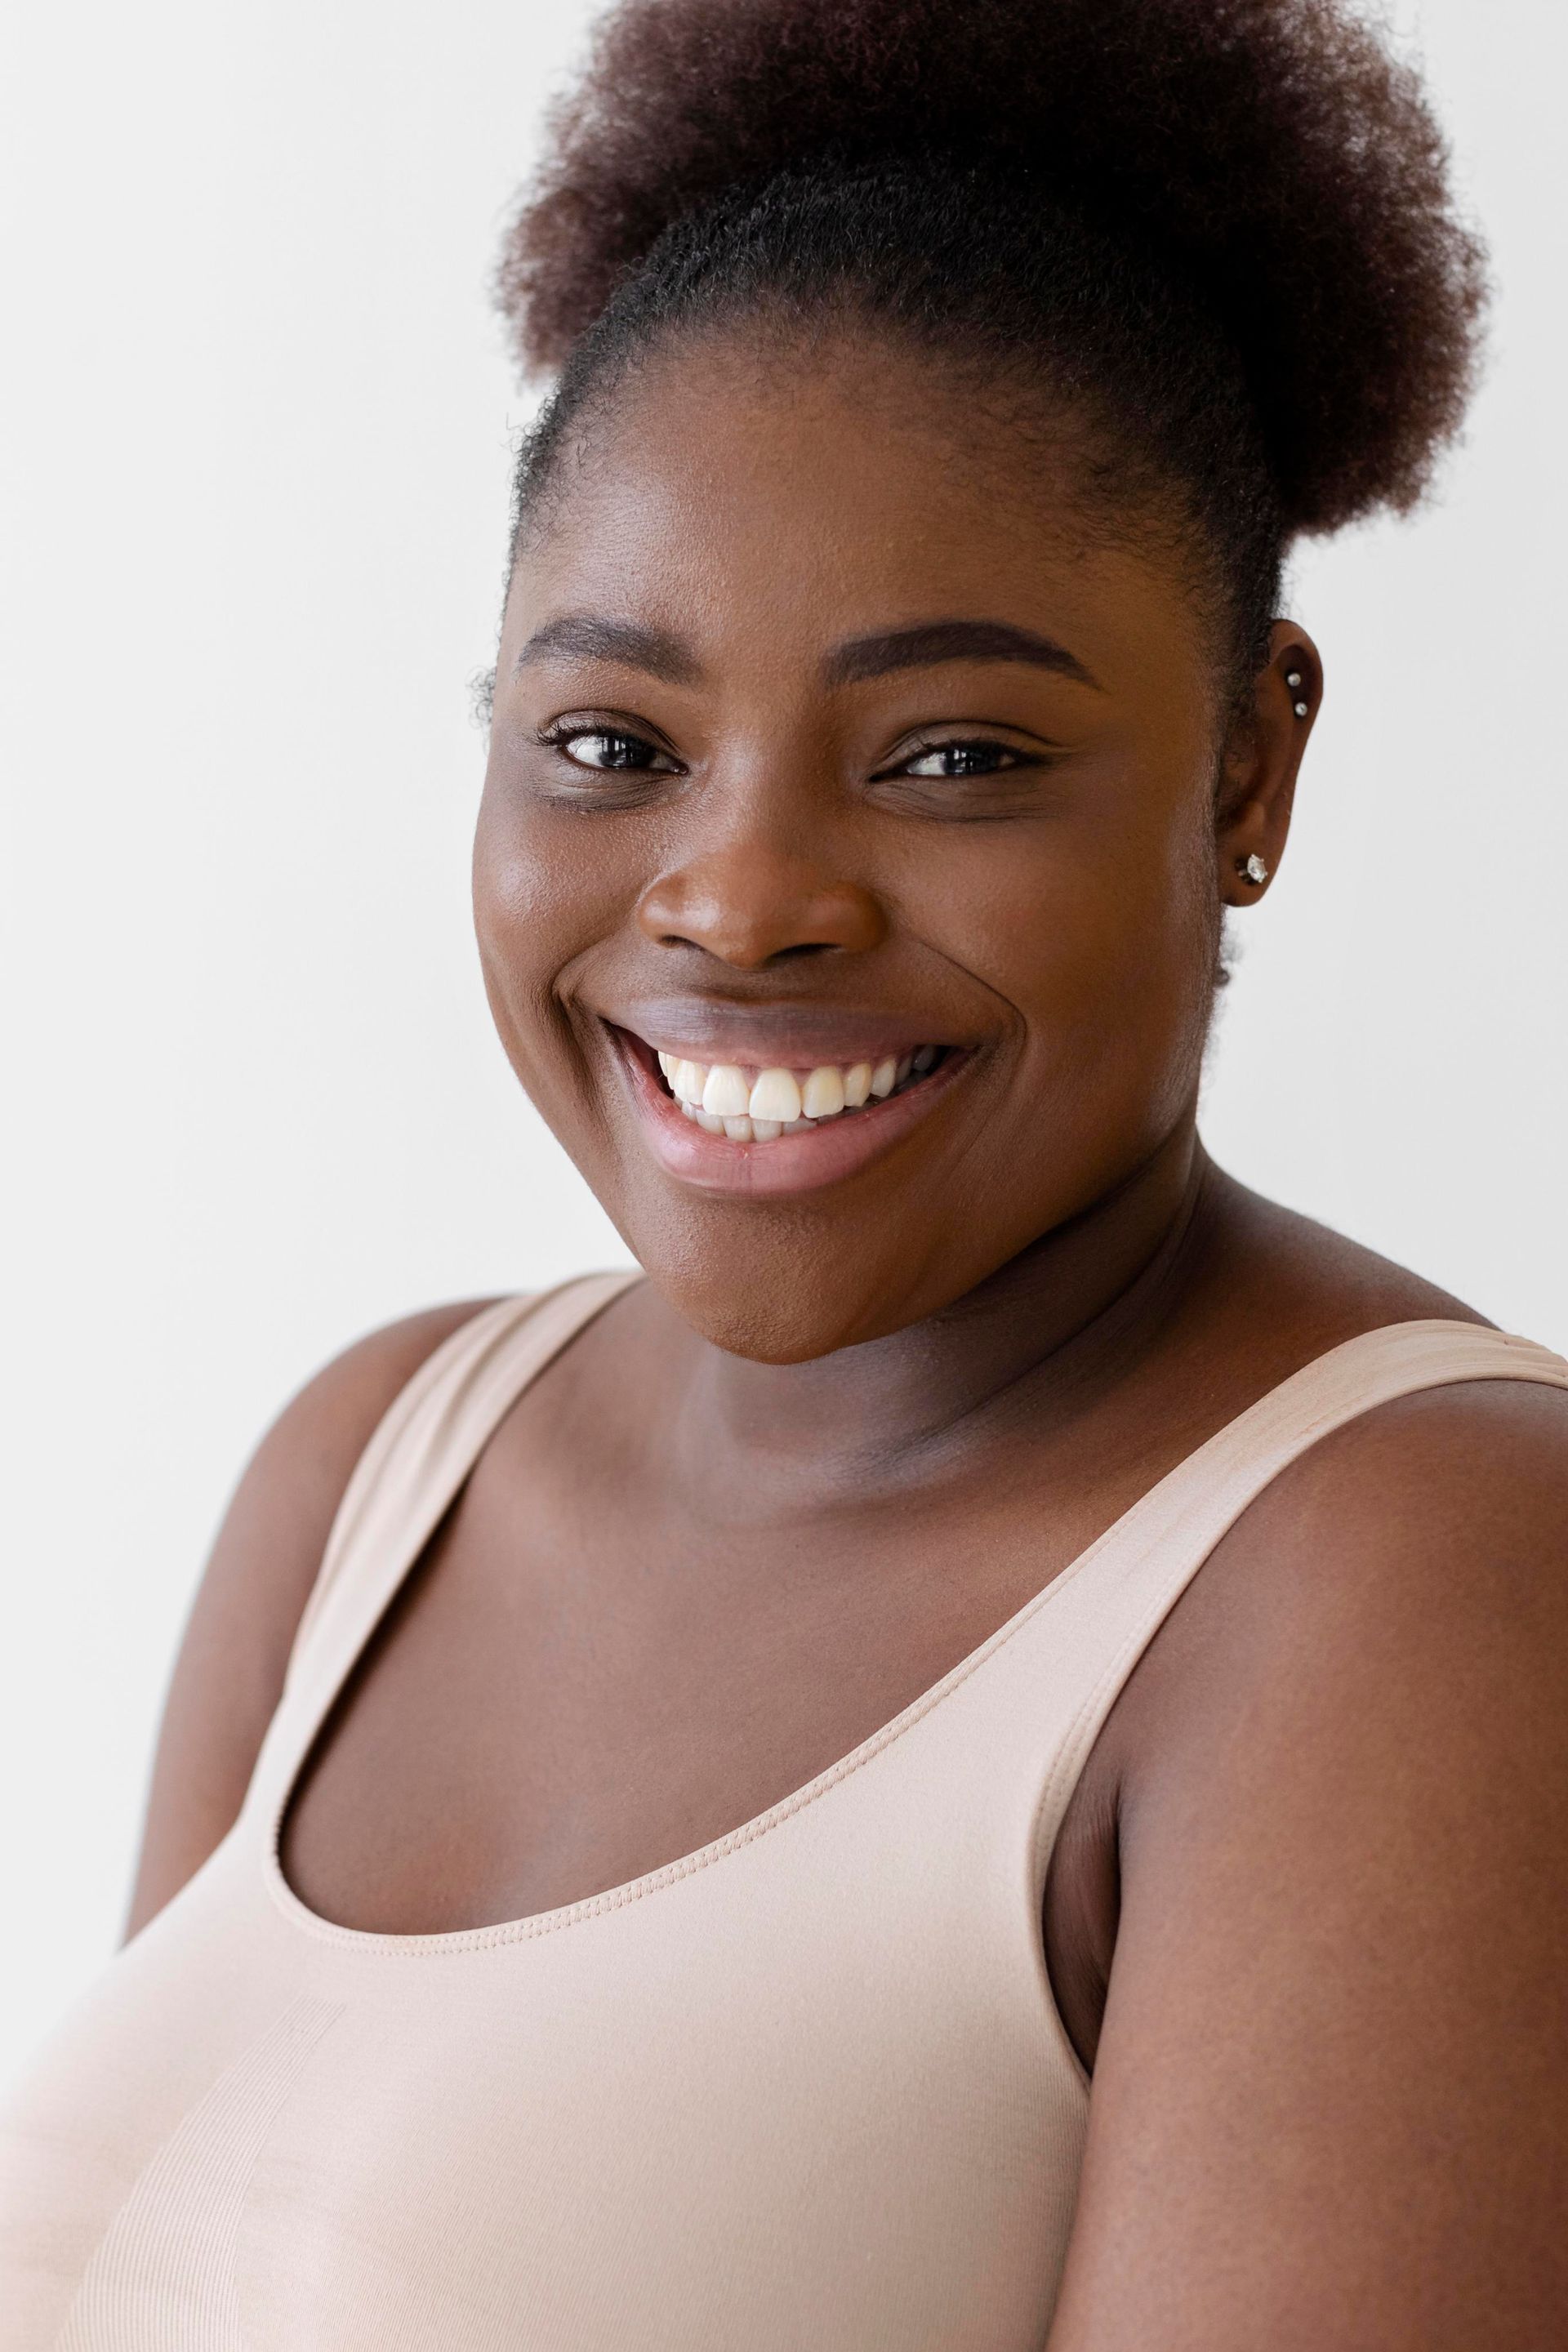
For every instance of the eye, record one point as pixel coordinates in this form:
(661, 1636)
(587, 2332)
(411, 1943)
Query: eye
(609, 750)
(969, 779)
(945, 759)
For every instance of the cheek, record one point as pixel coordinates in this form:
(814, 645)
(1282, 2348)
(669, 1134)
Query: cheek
(542, 898)
(1104, 941)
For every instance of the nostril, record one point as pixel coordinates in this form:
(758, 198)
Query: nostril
(754, 912)
(729, 951)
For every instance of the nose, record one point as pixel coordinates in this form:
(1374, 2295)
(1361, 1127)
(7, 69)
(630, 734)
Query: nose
(751, 904)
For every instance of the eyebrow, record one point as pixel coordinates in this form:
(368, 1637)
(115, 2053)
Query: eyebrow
(589, 636)
(946, 641)
(586, 637)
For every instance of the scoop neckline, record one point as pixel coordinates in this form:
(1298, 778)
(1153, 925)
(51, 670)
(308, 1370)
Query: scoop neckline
(433, 1942)
(438, 1942)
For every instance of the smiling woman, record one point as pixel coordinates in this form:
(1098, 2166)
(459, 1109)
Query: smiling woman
(972, 1759)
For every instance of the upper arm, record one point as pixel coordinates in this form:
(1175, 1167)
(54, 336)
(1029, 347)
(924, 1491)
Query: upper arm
(228, 1676)
(1329, 2105)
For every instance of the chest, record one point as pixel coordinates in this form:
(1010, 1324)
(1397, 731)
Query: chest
(585, 1677)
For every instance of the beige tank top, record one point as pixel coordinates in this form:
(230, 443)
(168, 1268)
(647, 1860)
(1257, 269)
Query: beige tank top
(804, 2088)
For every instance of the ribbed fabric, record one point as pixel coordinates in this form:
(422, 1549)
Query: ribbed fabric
(805, 2090)
(164, 2278)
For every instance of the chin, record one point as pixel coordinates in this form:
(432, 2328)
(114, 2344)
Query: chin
(770, 1319)
(778, 1297)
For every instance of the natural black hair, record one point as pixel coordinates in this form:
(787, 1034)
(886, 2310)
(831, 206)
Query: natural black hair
(1219, 233)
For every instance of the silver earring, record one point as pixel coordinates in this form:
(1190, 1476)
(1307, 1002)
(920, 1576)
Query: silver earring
(1253, 869)
(1293, 680)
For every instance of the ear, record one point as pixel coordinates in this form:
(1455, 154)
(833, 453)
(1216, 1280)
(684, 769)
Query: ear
(1257, 782)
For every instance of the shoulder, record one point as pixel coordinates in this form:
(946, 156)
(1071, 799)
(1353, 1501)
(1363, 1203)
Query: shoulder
(1419, 1550)
(1411, 1498)
(296, 1477)
(1438, 1500)
(228, 1676)
(269, 1546)
(1415, 1503)
(1335, 2018)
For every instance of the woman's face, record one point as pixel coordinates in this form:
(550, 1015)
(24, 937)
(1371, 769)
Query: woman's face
(816, 747)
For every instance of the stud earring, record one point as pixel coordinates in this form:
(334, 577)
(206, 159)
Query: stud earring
(1253, 869)
(1293, 680)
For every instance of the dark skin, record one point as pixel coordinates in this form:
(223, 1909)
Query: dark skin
(1304, 1917)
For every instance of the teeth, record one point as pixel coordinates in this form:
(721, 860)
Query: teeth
(726, 1094)
(822, 1096)
(775, 1096)
(724, 1099)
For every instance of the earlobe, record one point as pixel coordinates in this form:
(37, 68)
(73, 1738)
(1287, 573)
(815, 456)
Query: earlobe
(1249, 845)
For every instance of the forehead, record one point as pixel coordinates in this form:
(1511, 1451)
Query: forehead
(771, 499)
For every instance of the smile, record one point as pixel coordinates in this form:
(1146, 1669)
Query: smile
(759, 1106)
(774, 1126)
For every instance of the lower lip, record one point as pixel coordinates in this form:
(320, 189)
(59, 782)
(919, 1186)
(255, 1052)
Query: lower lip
(789, 1164)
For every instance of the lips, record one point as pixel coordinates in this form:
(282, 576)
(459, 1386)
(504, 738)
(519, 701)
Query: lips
(766, 1125)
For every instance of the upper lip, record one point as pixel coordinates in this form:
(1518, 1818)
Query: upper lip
(772, 1036)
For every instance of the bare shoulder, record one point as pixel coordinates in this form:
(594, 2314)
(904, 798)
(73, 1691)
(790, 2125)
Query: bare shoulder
(228, 1676)
(1333, 2071)
(1396, 1598)
(1406, 1525)
(1415, 1515)
(1403, 1583)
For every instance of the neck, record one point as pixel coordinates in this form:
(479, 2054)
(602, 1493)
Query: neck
(1066, 1315)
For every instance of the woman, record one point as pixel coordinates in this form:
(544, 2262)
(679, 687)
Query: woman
(975, 1759)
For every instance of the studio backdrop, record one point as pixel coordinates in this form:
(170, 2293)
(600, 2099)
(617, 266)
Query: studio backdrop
(261, 424)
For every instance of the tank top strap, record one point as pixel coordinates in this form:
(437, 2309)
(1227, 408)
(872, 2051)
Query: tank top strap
(405, 1483)
(1105, 1608)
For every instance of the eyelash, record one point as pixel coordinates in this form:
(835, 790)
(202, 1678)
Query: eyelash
(1012, 758)
(562, 736)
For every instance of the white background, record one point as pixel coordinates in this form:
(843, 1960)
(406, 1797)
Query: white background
(256, 479)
